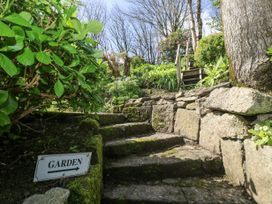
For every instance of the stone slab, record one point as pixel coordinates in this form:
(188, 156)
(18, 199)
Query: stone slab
(163, 118)
(181, 161)
(258, 166)
(176, 191)
(241, 101)
(52, 196)
(215, 126)
(138, 114)
(187, 124)
(232, 153)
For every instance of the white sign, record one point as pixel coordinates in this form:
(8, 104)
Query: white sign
(57, 166)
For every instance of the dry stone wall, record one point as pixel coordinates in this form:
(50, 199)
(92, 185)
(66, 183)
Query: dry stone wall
(218, 118)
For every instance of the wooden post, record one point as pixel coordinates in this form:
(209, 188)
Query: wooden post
(187, 52)
(177, 62)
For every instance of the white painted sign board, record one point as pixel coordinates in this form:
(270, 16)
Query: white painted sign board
(58, 166)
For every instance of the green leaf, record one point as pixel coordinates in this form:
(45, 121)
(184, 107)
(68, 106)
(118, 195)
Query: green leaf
(27, 58)
(95, 27)
(53, 44)
(88, 69)
(27, 16)
(7, 65)
(10, 106)
(43, 57)
(59, 88)
(17, 19)
(19, 31)
(57, 60)
(4, 119)
(3, 96)
(5, 30)
(70, 48)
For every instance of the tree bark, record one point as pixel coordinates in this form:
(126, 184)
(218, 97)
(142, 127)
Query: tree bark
(199, 20)
(248, 34)
(193, 27)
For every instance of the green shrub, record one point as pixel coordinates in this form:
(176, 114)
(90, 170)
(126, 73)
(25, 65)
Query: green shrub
(122, 90)
(209, 49)
(168, 46)
(263, 133)
(157, 76)
(46, 55)
(136, 61)
(216, 73)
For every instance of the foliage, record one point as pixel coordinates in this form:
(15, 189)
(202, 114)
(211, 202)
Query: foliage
(168, 46)
(157, 76)
(269, 53)
(216, 73)
(263, 133)
(209, 49)
(122, 90)
(46, 55)
(136, 61)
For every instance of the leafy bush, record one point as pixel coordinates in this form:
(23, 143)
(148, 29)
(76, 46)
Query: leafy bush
(216, 73)
(169, 46)
(136, 61)
(122, 90)
(46, 55)
(157, 76)
(263, 133)
(209, 49)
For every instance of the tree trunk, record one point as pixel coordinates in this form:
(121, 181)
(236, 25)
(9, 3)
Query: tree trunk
(248, 34)
(126, 65)
(199, 21)
(193, 28)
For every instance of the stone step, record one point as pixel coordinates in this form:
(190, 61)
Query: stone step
(176, 191)
(106, 119)
(125, 130)
(141, 145)
(181, 161)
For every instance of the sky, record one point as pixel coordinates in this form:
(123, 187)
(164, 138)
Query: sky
(207, 12)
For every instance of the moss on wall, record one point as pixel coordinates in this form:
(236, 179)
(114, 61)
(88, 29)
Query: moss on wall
(87, 189)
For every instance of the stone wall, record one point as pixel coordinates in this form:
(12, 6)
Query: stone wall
(218, 119)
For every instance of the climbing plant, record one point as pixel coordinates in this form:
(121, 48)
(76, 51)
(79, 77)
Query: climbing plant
(46, 55)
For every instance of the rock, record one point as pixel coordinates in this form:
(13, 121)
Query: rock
(187, 99)
(163, 117)
(180, 94)
(233, 161)
(163, 102)
(191, 106)
(242, 101)
(258, 168)
(169, 97)
(187, 124)
(149, 103)
(200, 108)
(138, 114)
(263, 117)
(53, 196)
(155, 98)
(215, 126)
(143, 99)
(181, 104)
(205, 91)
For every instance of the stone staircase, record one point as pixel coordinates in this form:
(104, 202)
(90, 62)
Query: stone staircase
(145, 167)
